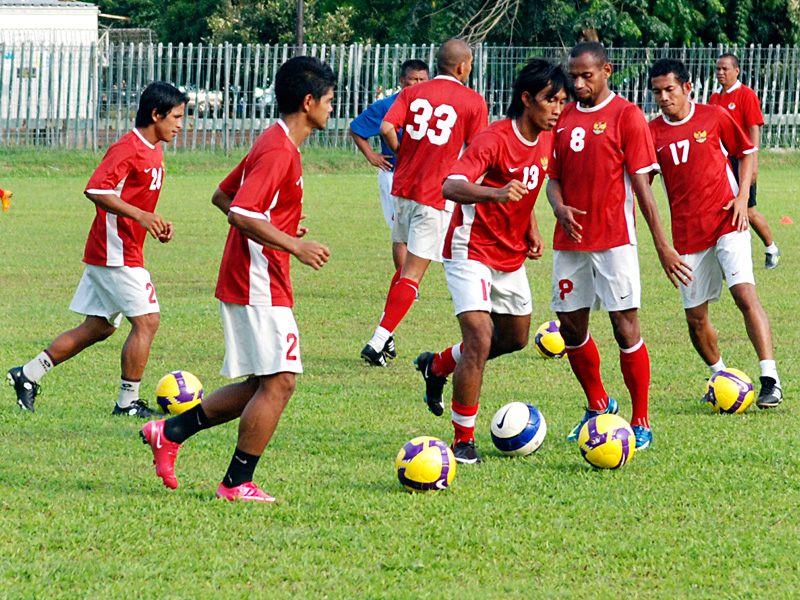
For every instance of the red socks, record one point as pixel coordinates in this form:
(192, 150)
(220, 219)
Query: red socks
(444, 363)
(464, 422)
(398, 303)
(585, 363)
(635, 366)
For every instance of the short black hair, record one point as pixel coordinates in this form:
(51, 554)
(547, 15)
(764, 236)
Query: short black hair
(665, 66)
(160, 97)
(413, 64)
(537, 75)
(733, 58)
(596, 49)
(297, 78)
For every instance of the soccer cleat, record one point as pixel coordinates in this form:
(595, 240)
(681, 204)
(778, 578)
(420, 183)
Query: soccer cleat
(374, 357)
(389, 348)
(644, 437)
(707, 398)
(6, 199)
(26, 389)
(771, 259)
(434, 384)
(137, 408)
(611, 409)
(164, 451)
(466, 454)
(246, 491)
(771, 393)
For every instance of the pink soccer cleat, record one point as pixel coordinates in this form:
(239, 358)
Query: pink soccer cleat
(164, 451)
(246, 491)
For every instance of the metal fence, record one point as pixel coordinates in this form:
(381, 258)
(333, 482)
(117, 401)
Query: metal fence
(86, 96)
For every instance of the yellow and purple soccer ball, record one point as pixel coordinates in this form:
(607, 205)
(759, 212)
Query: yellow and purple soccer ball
(518, 429)
(178, 391)
(607, 441)
(548, 340)
(730, 391)
(425, 464)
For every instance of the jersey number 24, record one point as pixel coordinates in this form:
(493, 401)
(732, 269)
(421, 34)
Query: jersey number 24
(423, 111)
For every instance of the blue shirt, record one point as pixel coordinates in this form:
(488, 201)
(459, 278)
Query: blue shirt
(368, 123)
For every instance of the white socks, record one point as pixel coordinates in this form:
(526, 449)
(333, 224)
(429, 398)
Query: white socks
(128, 392)
(717, 366)
(37, 368)
(770, 369)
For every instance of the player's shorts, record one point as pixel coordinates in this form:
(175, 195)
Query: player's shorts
(385, 179)
(115, 292)
(607, 279)
(753, 188)
(476, 287)
(730, 259)
(259, 340)
(422, 228)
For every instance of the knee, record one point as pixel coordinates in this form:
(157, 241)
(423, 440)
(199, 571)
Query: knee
(477, 344)
(146, 324)
(696, 322)
(517, 341)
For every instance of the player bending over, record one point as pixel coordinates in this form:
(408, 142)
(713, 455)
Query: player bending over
(263, 198)
(710, 216)
(438, 117)
(125, 188)
(492, 232)
(602, 155)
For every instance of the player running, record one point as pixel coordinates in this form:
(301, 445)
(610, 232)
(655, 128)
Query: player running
(603, 154)
(710, 216)
(125, 189)
(367, 125)
(438, 117)
(492, 232)
(263, 198)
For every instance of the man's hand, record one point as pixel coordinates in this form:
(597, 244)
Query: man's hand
(535, 243)
(566, 218)
(513, 191)
(312, 254)
(154, 224)
(379, 160)
(673, 266)
(738, 206)
(301, 231)
(167, 235)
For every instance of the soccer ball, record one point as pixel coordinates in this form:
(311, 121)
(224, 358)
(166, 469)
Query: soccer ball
(425, 464)
(606, 441)
(518, 429)
(178, 391)
(730, 391)
(548, 340)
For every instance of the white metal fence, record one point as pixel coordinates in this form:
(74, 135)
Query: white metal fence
(86, 96)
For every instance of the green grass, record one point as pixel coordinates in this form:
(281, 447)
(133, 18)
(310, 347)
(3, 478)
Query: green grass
(709, 512)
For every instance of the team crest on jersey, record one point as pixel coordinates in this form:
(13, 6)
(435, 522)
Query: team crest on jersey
(700, 136)
(544, 162)
(599, 128)
(731, 106)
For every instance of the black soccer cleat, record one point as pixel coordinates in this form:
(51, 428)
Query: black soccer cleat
(26, 389)
(466, 454)
(373, 357)
(389, 348)
(137, 408)
(434, 384)
(771, 393)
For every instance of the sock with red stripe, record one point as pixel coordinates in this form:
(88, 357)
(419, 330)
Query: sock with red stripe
(585, 363)
(444, 363)
(635, 366)
(464, 422)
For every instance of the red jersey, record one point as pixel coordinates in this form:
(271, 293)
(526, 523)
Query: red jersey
(132, 168)
(743, 104)
(594, 152)
(494, 233)
(267, 184)
(696, 173)
(438, 117)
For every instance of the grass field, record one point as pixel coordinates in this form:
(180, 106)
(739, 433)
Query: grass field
(708, 512)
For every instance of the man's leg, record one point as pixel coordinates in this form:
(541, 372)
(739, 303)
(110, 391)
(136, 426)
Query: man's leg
(398, 255)
(135, 353)
(704, 336)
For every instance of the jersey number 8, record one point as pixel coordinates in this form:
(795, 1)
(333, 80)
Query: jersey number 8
(423, 111)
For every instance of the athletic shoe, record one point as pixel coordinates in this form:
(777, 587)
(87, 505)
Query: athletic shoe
(707, 399)
(137, 408)
(771, 393)
(246, 491)
(164, 451)
(373, 357)
(611, 409)
(7, 199)
(466, 454)
(772, 259)
(644, 437)
(389, 348)
(26, 389)
(434, 384)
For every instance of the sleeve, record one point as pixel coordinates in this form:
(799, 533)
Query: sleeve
(714, 99)
(262, 181)
(475, 161)
(751, 111)
(368, 123)
(396, 115)
(116, 165)
(733, 137)
(480, 120)
(554, 165)
(230, 185)
(637, 143)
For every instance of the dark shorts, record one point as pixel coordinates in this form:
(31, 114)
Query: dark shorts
(735, 167)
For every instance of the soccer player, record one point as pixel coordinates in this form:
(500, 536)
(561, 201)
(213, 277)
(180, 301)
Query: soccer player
(5, 196)
(602, 154)
(367, 125)
(438, 117)
(492, 232)
(745, 108)
(263, 198)
(125, 189)
(710, 216)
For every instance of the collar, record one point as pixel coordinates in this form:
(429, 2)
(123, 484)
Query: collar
(141, 137)
(521, 137)
(733, 88)
(448, 77)
(591, 109)
(682, 121)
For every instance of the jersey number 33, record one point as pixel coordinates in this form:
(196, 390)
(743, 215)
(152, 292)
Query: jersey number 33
(439, 132)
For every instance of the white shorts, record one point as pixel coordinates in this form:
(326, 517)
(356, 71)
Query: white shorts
(385, 179)
(474, 286)
(259, 340)
(607, 279)
(115, 292)
(729, 259)
(422, 228)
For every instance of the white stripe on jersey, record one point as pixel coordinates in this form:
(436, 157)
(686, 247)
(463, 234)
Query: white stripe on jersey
(459, 246)
(628, 209)
(260, 290)
(115, 257)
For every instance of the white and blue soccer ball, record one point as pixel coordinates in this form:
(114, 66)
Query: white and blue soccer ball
(518, 429)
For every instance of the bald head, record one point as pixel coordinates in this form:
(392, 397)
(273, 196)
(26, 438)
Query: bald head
(455, 58)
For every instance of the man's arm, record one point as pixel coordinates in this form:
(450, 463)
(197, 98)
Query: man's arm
(389, 135)
(565, 214)
(221, 200)
(152, 222)
(535, 239)
(674, 267)
(738, 205)
(464, 192)
(755, 138)
(376, 160)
